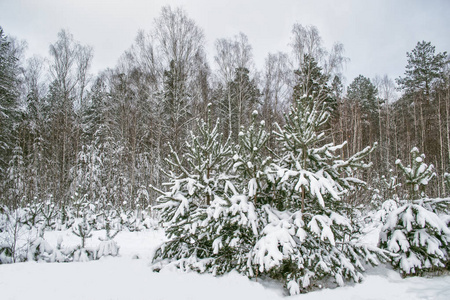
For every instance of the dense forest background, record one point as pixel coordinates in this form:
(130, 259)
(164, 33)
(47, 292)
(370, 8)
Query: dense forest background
(67, 134)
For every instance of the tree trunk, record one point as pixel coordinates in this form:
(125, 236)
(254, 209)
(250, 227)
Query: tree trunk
(441, 146)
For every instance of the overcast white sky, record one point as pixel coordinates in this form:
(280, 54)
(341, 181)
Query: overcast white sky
(376, 34)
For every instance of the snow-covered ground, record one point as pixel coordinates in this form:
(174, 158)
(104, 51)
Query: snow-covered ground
(130, 277)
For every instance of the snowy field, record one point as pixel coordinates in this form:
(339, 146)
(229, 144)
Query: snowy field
(130, 277)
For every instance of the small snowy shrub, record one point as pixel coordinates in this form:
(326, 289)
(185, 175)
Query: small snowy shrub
(83, 255)
(419, 237)
(133, 219)
(414, 232)
(15, 236)
(33, 214)
(417, 175)
(385, 188)
(107, 245)
(49, 211)
(61, 254)
(40, 250)
(82, 228)
(65, 218)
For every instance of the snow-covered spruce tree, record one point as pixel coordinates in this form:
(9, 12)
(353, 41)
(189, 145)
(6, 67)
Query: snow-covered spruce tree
(417, 175)
(232, 221)
(196, 179)
(49, 211)
(82, 227)
(250, 163)
(219, 236)
(107, 244)
(230, 228)
(390, 186)
(307, 238)
(415, 232)
(33, 213)
(384, 187)
(284, 219)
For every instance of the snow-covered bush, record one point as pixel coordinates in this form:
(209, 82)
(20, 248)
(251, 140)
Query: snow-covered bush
(65, 218)
(419, 237)
(40, 249)
(107, 245)
(82, 228)
(61, 254)
(15, 236)
(83, 255)
(417, 175)
(33, 213)
(49, 211)
(416, 232)
(22, 230)
(385, 188)
(20, 241)
(133, 219)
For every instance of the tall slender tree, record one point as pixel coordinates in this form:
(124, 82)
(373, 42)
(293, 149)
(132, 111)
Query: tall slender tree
(10, 113)
(362, 93)
(423, 69)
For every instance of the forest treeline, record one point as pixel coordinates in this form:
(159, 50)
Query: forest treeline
(67, 134)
